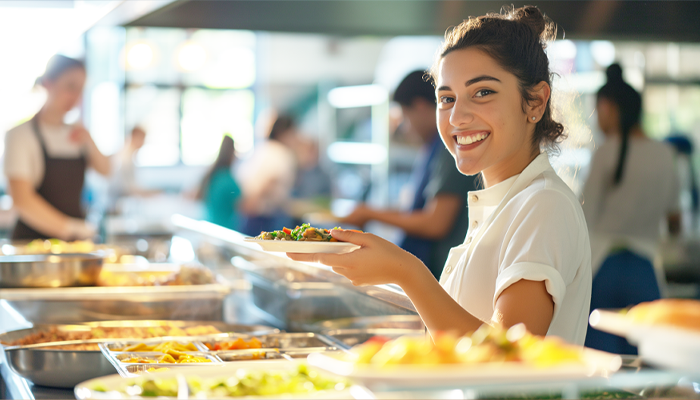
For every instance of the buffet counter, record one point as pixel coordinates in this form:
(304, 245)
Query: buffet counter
(268, 290)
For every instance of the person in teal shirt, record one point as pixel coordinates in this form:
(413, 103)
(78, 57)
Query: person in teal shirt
(219, 191)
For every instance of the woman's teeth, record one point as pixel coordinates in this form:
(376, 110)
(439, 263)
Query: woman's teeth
(471, 139)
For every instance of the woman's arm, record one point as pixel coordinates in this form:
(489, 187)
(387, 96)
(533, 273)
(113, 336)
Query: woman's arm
(96, 160)
(379, 262)
(39, 214)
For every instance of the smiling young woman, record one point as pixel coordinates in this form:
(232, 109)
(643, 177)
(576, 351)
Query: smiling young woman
(526, 257)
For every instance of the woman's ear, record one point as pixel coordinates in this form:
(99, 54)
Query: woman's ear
(540, 95)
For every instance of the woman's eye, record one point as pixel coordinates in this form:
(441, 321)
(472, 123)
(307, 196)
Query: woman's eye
(484, 93)
(446, 99)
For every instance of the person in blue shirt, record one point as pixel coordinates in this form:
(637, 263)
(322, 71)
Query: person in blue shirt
(219, 191)
(437, 219)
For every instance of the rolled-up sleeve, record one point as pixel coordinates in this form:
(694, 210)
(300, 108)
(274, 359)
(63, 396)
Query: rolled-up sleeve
(532, 272)
(543, 243)
(18, 162)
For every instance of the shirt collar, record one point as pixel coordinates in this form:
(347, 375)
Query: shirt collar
(495, 194)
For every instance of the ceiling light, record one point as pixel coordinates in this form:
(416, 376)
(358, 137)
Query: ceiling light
(139, 56)
(192, 56)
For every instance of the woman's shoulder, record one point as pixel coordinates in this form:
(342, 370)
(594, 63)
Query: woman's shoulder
(20, 135)
(549, 192)
(21, 129)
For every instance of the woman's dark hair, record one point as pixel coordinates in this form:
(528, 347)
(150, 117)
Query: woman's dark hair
(223, 161)
(515, 39)
(629, 104)
(57, 66)
(282, 124)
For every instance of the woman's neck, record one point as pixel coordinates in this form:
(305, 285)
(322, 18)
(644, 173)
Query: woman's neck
(507, 168)
(50, 116)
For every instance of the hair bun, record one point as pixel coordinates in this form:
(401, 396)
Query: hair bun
(614, 73)
(540, 24)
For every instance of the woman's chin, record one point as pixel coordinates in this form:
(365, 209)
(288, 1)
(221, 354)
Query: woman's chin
(468, 168)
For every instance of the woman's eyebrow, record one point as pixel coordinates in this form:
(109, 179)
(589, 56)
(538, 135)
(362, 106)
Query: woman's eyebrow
(473, 81)
(481, 78)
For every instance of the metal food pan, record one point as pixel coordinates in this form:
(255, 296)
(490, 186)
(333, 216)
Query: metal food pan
(291, 304)
(74, 305)
(226, 328)
(133, 370)
(66, 368)
(282, 341)
(49, 270)
(116, 346)
(57, 368)
(347, 338)
(154, 355)
(410, 322)
(249, 355)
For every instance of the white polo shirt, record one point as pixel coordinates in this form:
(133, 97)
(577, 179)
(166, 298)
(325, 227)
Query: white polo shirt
(530, 226)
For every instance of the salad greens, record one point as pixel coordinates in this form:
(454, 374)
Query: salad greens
(243, 383)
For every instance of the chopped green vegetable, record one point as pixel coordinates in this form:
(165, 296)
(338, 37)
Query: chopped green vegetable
(243, 383)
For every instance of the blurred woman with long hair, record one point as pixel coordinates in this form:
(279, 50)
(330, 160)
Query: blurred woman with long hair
(219, 191)
(267, 179)
(631, 190)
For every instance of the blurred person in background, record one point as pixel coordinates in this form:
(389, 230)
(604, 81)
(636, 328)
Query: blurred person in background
(46, 160)
(631, 190)
(123, 180)
(312, 186)
(437, 218)
(267, 179)
(219, 191)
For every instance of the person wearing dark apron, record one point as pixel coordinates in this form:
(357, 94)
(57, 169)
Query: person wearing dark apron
(45, 160)
(61, 187)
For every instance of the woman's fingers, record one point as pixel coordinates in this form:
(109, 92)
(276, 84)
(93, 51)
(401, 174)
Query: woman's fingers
(358, 238)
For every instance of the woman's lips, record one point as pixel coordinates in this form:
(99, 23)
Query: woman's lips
(471, 140)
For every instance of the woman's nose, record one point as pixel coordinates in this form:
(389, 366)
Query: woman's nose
(461, 115)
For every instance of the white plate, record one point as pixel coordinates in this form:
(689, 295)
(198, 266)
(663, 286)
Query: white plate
(114, 383)
(660, 345)
(289, 246)
(596, 364)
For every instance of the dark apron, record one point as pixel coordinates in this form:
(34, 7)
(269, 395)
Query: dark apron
(62, 187)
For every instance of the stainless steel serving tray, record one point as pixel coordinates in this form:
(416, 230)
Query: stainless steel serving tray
(74, 305)
(66, 368)
(284, 341)
(291, 299)
(410, 322)
(347, 338)
(49, 270)
(287, 346)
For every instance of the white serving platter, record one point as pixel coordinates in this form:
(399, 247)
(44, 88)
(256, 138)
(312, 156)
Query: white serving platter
(596, 364)
(289, 246)
(660, 345)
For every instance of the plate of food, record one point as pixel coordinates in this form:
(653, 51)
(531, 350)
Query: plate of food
(302, 239)
(488, 356)
(276, 379)
(666, 331)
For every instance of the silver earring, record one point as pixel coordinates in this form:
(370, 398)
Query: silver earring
(533, 118)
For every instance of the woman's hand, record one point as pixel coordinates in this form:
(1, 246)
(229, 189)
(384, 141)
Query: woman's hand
(96, 160)
(376, 262)
(80, 135)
